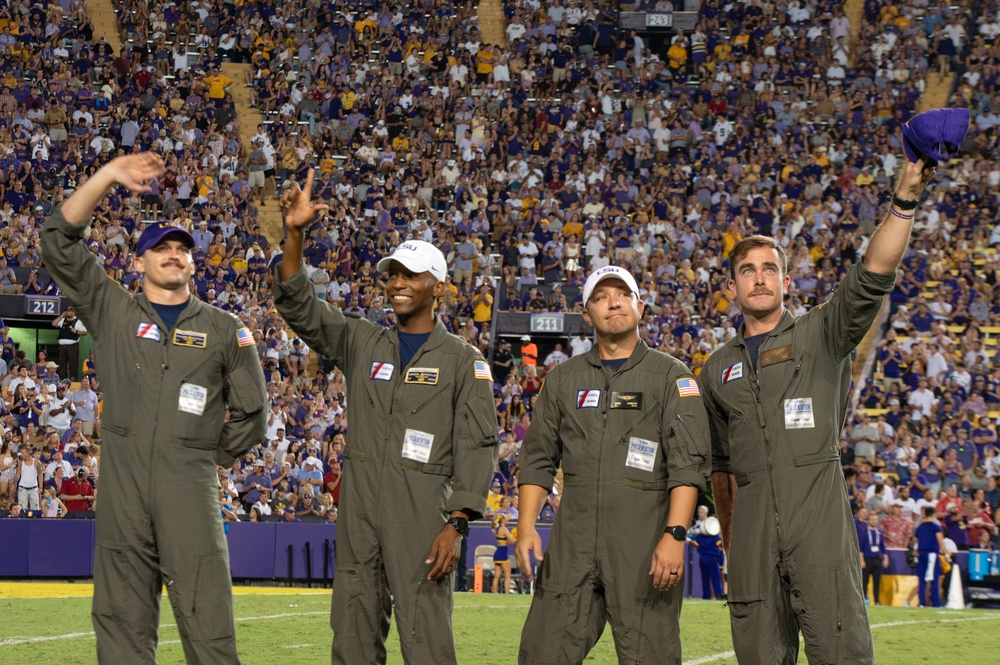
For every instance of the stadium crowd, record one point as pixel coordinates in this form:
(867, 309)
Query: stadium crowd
(530, 163)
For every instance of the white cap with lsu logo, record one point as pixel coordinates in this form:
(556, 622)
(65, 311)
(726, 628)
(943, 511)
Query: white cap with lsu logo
(607, 273)
(418, 256)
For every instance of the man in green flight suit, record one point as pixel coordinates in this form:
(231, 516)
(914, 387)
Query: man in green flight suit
(777, 397)
(628, 425)
(171, 367)
(421, 448)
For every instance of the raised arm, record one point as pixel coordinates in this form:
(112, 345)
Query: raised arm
(889, 241)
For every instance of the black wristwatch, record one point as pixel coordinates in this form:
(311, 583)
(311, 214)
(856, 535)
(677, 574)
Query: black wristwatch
(461, 525)
(678, 532)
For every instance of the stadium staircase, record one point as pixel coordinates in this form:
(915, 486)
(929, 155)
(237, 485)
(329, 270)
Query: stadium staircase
(492, 23)
(855, 11)
(105, 21)
(249, 117)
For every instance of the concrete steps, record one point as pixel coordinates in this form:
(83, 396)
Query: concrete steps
(492, 23)
(102, 15)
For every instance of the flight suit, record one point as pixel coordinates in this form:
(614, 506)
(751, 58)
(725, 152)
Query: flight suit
(793, 560)
(624, 439)
(164, 433)
(422, 442)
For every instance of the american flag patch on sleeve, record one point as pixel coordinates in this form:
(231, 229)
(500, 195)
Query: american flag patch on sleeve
(482, 370)
(688, 388)
(244, 337)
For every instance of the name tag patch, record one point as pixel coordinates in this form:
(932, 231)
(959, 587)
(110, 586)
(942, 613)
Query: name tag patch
(732, 373)
(777, 355)
(799, 413)
(191, 339)
(588, 398)
(427, 376)
(381, 371)
(417, 445)
(192, 399)
(148, 330)
(641, 453)
(627, 401)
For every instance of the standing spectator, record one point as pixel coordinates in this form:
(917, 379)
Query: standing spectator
(77, 492)
(873, 557)
(896, 528)
(930, 550)
(581, 343)
(71, 329)
(28, 479)
(465, 253)
(529, 352)
(86, 403)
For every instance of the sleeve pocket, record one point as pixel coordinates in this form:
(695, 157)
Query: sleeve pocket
(244, 393)
(478, 425)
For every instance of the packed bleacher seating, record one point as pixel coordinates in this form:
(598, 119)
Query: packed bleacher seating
(569, 146)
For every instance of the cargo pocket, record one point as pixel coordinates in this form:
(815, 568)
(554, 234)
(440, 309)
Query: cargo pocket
(749, 549)
(209, 608)
(851, 614)
(111, 577)
(346, 605)
(557, 626)
(478, 424)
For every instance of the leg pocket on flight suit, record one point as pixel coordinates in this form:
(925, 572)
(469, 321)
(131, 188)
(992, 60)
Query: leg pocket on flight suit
(346, 603)
(207, 603)
(554, 631)
(111, 573)
(429, 620)
(852, 615)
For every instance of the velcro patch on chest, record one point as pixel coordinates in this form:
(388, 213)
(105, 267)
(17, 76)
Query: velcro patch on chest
(427, 376)
(732, 373)
(588, 398)
(191, 339)
(381, 371)
(777, 355)
(626, 400)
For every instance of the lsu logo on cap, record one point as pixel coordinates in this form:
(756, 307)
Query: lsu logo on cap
(733, 372)
(588, 398)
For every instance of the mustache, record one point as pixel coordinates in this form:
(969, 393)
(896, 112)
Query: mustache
(761, 292)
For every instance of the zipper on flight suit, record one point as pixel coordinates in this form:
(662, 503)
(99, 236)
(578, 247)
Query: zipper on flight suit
(767, 447)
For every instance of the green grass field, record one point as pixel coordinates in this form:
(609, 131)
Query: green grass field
(293, 627)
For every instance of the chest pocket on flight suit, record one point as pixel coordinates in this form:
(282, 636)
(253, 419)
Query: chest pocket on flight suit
(425, 416)
(803, 412)
(631, 451)
(201, 386)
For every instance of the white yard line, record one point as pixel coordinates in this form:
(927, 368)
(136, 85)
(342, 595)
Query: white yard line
(15, 641)
(732, 654)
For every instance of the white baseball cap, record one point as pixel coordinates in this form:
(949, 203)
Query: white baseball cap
(312, 460)
(608, 272)
(418, 256)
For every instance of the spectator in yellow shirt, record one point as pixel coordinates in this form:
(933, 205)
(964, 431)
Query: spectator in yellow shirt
(401, 144)
(677, 56)
(484, 63)
(217, 84)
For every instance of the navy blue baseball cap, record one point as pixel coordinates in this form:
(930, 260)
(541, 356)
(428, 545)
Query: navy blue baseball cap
(153, 235)
(936, 134)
